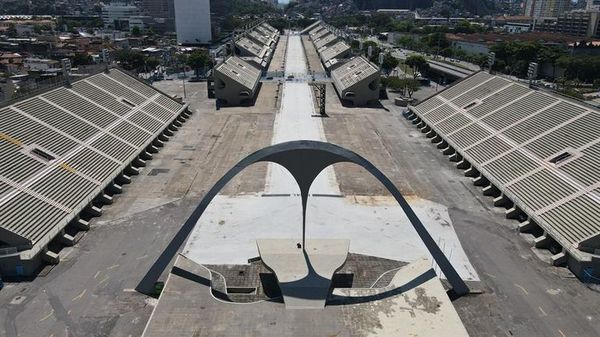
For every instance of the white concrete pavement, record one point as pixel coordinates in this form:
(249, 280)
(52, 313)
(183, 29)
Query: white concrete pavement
(228, 230)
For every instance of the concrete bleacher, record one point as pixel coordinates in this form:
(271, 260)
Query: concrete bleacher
(62, 150)
(535, 152)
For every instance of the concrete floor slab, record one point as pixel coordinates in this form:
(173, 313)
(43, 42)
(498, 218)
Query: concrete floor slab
(304, 274)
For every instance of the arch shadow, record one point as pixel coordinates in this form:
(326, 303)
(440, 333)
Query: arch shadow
(304, 159)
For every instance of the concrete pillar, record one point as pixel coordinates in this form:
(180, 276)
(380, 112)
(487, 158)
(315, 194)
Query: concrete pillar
(181, 119)
(416, 120)
(158, 143)
(145, 155)
(480, 181)
(526, 226)
(81, 224)
(490, 191)
(131, 171)
(168, 132)
(425, 129)
(430, 134)
(513, 212)
(123, 179)
(463, 164)
(455, 157)
(93, 210)
(421, 124)
(105, 199)
(448, 151)
(177, 123)
(541, 242)
(50, 257)
(139, 162)
(66, 239)
(442, 145)
(115, 188)
(501, 201)
(559, 259)
(471, 172)
(164, 138)
(173, 127)
(152, 149)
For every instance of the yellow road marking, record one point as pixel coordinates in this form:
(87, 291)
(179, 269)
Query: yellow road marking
(103, 280)
(10, 139)
(47, 316)
(67, 167)
(522, 288)
(79, 296)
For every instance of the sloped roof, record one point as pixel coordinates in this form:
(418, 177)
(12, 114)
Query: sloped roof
(61, 148)
(333, 51)
(542, 150)
(352, 72)
(251, 47)
(240, 71)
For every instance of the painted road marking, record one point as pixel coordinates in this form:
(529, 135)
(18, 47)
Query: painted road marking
(113, 266)
(104, 280)
(79, 296)
(47, 316)
(561, 333)
(522, 288)
(96, 275)
(543, 312)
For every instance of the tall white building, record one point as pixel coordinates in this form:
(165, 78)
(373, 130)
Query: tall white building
(593, 5)
(192, 21)
(117, 15)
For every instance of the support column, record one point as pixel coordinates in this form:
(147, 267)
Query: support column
(490, 190)
(455, 157)
(513, 212)
(448, 151)
(66, 239)
(430, 134)
(542, 241)
(139, 162)
(442, 145)
(501, 201)
(105, 199)
(480, 181)
(526, 226)
(559, 259)
(93, 210)
(463, 164)
(471, 172)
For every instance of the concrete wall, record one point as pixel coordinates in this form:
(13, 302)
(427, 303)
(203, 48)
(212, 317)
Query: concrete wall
(230, 92)
(192, 21)
(362, 93)
(471, 47)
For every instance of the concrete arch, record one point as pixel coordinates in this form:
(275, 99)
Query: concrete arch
(305, 159)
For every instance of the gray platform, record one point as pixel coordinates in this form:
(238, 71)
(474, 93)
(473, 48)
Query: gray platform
(304, 275)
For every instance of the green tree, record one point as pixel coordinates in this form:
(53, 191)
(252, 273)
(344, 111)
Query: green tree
(418, 63)
(131, 59)
(389, 63)
(198, 60)
(135, 31)
(11, 31)
(81, 60)
(151, 63)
